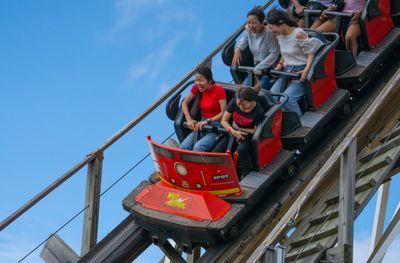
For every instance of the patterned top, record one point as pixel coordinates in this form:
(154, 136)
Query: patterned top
(295, 51)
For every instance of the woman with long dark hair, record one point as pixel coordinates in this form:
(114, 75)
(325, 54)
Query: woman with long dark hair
(212, 104)
(297, 51)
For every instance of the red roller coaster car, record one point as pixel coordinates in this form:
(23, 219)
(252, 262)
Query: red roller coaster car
(197, 198)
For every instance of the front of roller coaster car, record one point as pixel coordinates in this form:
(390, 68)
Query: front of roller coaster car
(190, 183)
(193, 171)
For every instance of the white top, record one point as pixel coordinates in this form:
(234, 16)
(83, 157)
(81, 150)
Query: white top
(295, 51)
(263, 46)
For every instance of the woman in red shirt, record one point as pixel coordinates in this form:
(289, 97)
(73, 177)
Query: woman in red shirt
(212, 105)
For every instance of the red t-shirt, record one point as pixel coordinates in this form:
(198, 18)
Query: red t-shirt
(209, 101)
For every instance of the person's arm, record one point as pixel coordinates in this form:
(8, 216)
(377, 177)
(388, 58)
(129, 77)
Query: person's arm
(310, 58)
(235, 133)
(355, 18)
(332, 7)
(295, 3)
(299, 9)
(273, 50)
(222, 104)
(246, 130)
(185, 108)
(309, 48)
(241, 45)
(280, 64)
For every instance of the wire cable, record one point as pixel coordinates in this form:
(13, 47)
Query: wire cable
(87, 206)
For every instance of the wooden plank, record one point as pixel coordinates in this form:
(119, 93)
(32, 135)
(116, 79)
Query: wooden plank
(343, 254)
(333, 199)
(123, 244)
(92, 202)
(172, 253)
(370, 167)
(392, 134)
(387, 238)
(380, 213)
(331, 214)
(347, 195)
(364, 185)
(192, 258)
(315, 236)
(366, 157)
(304, 252)
(57, 251)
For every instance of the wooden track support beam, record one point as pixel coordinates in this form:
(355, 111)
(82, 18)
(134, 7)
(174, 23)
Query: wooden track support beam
(92, 202)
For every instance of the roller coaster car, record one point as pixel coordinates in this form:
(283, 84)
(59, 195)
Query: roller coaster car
(322, 100)
(199, 198)
(380, 36)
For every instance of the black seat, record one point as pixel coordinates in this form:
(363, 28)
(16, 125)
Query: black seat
(395, 12)
(227, 57)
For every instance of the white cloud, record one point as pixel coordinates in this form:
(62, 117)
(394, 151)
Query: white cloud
(162, 16)
(151, 65)
(127, 10)
(164, 87)
(161, 25)
(13, 248)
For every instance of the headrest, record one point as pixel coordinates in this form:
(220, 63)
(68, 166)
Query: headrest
(265, 101)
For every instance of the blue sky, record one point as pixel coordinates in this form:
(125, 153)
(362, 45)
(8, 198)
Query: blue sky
(72, 74)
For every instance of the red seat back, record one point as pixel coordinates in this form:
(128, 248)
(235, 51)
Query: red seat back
(376, 22)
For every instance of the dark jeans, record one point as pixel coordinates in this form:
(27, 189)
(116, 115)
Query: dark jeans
(245, 160)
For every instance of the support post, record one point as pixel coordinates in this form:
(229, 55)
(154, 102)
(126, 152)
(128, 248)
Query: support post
(166, 259)
(172, 253)
(55, 250)
(380, 214)
(346, 203)
(92, 200)
(192, 258)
